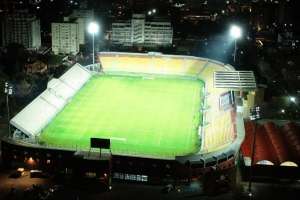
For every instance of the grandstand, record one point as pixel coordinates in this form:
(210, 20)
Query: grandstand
(34, 117)
(173, 107)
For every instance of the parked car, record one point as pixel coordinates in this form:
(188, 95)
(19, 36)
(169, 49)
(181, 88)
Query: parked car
(37, 174)
(18, 173)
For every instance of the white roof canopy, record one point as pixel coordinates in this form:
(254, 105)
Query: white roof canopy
(235, 80)
(35, 116)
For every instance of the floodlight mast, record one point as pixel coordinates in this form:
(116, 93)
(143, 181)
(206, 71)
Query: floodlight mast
(8, 90)
(93, 28)
(236, 33)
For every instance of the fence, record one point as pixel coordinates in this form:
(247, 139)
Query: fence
(34, 143)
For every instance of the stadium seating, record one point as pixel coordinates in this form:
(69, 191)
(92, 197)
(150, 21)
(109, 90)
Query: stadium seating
(173, 65)
(219, 131)
(34, 117)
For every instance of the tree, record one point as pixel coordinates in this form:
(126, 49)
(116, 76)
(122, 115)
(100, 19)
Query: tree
(14, 59)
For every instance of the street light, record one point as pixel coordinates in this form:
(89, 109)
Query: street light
(8, 90)
(293, 99)
(93, 28)
(236, 33)
(254, 116)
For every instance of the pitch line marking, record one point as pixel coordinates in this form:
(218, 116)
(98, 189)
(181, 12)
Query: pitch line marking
(148, 77)
(118, 138)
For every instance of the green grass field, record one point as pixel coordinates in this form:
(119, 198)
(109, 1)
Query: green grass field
(149, 117)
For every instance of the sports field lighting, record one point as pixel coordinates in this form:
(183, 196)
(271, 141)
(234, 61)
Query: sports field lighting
(93, 28)
(235, 32)
(8, 90)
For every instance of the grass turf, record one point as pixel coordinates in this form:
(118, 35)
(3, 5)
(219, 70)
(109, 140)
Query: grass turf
(150, 117)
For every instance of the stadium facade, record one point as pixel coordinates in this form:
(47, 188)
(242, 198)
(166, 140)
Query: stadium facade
(220, 131)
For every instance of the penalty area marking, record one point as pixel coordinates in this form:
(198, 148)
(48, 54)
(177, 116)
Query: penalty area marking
(118, 138)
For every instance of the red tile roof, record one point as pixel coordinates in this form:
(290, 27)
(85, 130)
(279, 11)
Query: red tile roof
(272, 143)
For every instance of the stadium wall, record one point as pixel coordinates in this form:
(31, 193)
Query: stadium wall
(19, 154)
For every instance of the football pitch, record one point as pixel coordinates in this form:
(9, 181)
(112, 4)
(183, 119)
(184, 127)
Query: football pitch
(143, 116)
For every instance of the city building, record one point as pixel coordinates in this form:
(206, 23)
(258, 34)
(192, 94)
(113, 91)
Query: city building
(65, 38)
(69, 35)
(82, 17)
(121, 33)
(139, 32)
(22, 28)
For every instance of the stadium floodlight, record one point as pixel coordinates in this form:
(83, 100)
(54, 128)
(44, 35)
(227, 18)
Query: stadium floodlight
(8, 90)
(235, 32)
(93, 28)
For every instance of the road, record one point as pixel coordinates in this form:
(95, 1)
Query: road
(77, 190)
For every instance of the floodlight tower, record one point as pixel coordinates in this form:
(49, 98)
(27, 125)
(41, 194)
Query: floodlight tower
(8, 90)
(93, 28)
(236, 33)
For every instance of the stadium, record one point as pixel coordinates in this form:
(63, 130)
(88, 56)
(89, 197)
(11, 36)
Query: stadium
(162, 115)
